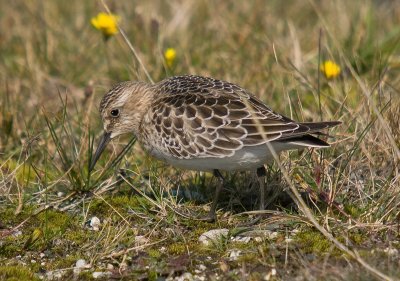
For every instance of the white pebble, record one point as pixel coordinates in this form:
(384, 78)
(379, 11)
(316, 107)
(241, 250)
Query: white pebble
(391, 252)
(17, 233)
(95, 223)
(141, 240)
(54, 275)
(110, 266)
(243, 239)
(79, 265)
(100, 274)
(234, 254)
(212, 235)
(270, 274)
(185, 277)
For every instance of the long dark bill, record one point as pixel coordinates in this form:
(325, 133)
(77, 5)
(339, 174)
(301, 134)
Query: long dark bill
(105, 139)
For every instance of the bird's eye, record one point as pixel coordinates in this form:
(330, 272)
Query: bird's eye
(114, 112)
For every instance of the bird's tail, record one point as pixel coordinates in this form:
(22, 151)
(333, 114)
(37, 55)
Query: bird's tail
(317, 126)
(309, 140)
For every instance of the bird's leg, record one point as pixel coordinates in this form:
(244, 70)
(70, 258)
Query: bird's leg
(261, 174)
(211, 217)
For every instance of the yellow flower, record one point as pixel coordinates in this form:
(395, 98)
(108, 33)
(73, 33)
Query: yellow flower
(330, 69)
(36, 234)
(106, 23)
(170, 56)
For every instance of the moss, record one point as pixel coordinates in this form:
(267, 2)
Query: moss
(78, 236)
(23, 172)
(154, 253)
(54, 222)
(254, 276)
(17, 273)
(313, 242)
(176, 248)
(199, 230)
(63, 262)
(7, 249)
(121, 203)
(152, 275)
(86, 275)
(8, 217)
(12, 245)
(357, 238)
(353, 210)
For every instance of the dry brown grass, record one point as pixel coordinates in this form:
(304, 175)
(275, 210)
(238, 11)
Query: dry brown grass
(55, 67)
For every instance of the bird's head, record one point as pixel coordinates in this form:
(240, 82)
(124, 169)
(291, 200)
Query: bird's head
(121, 110)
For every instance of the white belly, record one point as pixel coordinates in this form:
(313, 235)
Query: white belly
(247, 158)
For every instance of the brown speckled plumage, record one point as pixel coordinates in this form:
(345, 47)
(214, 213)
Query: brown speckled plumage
(198, 117)
(202, 123)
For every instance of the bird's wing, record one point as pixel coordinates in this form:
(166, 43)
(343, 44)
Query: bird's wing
(199, 117)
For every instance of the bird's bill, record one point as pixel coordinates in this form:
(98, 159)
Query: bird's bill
(105, 139)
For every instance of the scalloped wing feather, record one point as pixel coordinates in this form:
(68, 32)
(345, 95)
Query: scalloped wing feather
(198, 117)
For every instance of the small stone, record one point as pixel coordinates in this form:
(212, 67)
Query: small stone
(95, 223)
(273, 235)
(79, 265)
(33, 261)
(234, 254)
(241, 239)
(261, 233)
(289, 240)
(58, 274)
(55, 275)
(199, 278)
(185, 277)
(202, 267)
(270, 274)
(392, 252)
(100, 274)
(110, 266)
(223, 266)
(17, 233)
(213, 235)
(141, 240)
(42, 255)
(60, 194)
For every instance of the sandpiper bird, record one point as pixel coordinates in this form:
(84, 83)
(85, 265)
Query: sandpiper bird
(203, 124)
